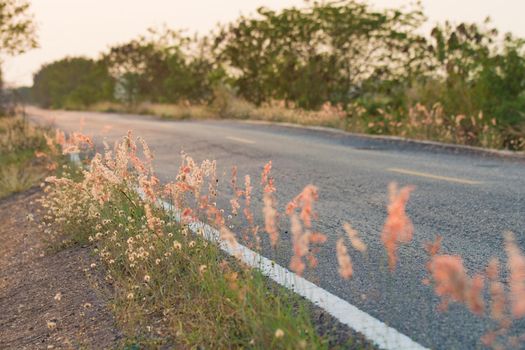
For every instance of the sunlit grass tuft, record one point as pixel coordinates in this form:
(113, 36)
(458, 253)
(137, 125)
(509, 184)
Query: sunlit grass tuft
(166, 111)
(19, 167)
(172, 287)
(19, 177)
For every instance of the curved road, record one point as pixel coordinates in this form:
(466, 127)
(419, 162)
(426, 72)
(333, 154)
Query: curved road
(468, 199)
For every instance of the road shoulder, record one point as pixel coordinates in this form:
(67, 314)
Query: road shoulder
(48, 300)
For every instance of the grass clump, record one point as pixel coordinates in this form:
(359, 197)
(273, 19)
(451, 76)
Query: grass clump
(20, 144)
(172, 287)
(18, 177)
(181, 111)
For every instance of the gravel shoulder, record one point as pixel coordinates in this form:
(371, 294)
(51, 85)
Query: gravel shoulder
(48, 299)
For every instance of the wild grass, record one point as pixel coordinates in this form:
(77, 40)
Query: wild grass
(177, 289)
(165, 111)
(17, 135)
(279, 112)
(419, 122)
(172, 288)
(18, 178)
(20, 169)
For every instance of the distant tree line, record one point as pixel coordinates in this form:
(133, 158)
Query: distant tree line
(343, 52)
(72, 83)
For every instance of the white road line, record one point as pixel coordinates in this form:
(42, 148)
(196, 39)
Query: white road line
(376, 331)
(238, 139)
(435, 177)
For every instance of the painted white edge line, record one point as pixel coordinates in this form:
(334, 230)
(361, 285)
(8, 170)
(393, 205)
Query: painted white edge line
(379, 333)
(374, 330)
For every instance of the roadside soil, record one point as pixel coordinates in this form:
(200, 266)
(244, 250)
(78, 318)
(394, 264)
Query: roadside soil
(48, 299)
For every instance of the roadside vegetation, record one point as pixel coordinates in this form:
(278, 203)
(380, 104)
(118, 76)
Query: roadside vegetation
(174, 287)
(342, 64)
(23, 163)
(20, 143)
(17, 35)
(171, 287)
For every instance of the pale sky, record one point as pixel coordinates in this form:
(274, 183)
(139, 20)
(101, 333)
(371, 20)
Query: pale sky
(88, 27)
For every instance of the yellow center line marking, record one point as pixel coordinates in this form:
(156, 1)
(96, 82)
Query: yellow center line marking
(238, 139)
(435, 177)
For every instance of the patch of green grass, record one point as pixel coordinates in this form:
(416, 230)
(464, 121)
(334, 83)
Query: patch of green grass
(17, 157)
(18, 177)
(164, 111)
(171, 287)
(174, 288)
(19, 169)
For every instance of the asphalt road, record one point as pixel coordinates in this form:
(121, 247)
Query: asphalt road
(468, 199)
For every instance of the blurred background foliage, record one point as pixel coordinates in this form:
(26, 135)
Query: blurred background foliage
(372, 70)
(17, 35)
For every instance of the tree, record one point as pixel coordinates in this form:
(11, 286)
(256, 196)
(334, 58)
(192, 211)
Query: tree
(17, 32)
(477, 70)
(139, 67)
(17, 29)
(74, 82)
(165, 67)
(318, 54)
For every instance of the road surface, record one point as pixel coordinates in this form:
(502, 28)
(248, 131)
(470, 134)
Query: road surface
(468, 199)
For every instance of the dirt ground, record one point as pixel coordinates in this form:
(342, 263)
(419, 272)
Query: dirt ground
(48, 300)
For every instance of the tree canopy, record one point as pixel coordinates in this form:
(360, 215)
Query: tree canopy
(17, 28)
(345, 53)
(72, 83)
